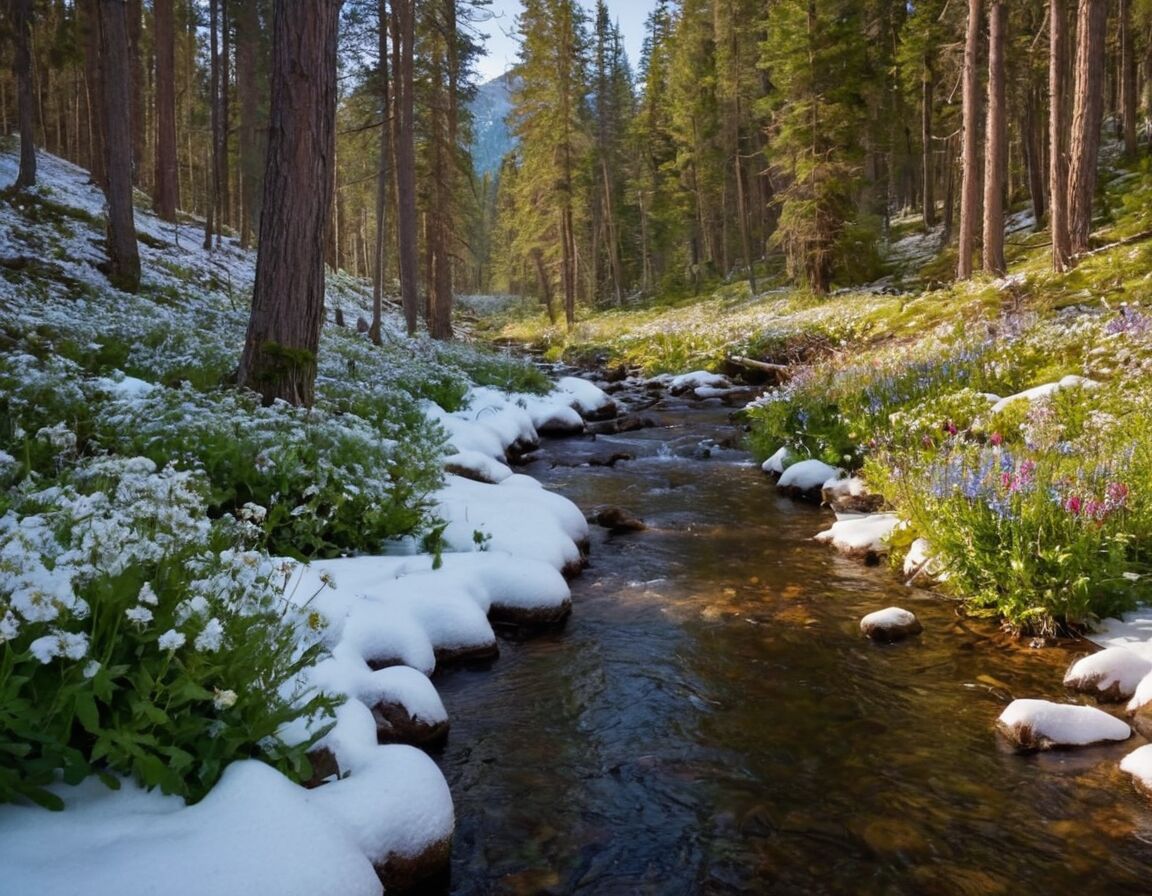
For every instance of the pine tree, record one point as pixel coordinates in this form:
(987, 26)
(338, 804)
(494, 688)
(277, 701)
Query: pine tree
(996, 142)
(970, 167)
(1087, 114)
(816, 57)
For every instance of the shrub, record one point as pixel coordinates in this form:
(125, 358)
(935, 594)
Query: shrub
(323, 483)
(137, 638)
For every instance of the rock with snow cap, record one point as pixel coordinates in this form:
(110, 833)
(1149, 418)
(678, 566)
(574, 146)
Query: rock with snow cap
(1043, 725)
(850, 495)
(805, 479)
(1111, 675)
(891, 624)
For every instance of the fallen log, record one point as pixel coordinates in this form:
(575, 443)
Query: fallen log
(760, 365)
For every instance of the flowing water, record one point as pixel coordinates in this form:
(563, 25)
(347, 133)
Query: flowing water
(710, 720)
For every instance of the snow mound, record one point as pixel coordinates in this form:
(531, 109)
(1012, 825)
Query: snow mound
(807, 475)
(699, 379)
(777, 462)
(1138, 764)
(585, 397)
(920, 562)
(864, 535)
(1111, 675)
(256, 832)
(1042, 725)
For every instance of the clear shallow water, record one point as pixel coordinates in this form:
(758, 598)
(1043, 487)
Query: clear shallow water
(710, 721)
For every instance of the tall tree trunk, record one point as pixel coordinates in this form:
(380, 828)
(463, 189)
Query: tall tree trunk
(996, 144)
(224, 200)
(1087, 113)
(88, 16)
(250, 90)
(383, 177)
(279, 358)
(136, 67)
(213, 203)
(21, 13)
(116, 78)
(927, 89)
(403, 37)
(1057, 140)
(439, 262)
(166, 192)
(1128, 91)
(745, 237)
(970, 156)
(1032, 140)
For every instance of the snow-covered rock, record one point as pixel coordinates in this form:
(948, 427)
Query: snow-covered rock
(588, 399)
(478, 466)
(890, 624)
(1138, 764)
(850, 495)
(806, 478)
(920, 564)
(1110, 676)
(1042, 725)
(1044, 390)
(697, 379)
(1142, 696)
(864, 537)
(777, 462)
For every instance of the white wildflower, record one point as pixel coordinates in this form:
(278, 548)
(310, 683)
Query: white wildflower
(223, 699)
(73, 645)
(9, 627)
(45, 648)
(254, 513)
(171, 640)
(139, 615)
(211, 637)
(92, 668)
(147, 595)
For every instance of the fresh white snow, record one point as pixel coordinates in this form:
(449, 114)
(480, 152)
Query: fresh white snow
(868, 533)
(1114, 671)
(1042, 723)
(807, 475)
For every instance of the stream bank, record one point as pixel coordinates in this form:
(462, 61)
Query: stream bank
(710, 719)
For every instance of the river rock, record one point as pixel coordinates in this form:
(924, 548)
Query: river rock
(775, 465)
(891, 624)
(1110, 676)
(862, 537)
(395, 724)
(1142, 696)
(1043, 725)
(850, 495)
(1138, 764)
(805, 479)
(560, 421)
(698, 379)
(617, 521)
(589, 400)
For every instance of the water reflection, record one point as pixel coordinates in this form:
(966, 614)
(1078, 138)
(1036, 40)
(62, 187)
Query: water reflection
(710, 720)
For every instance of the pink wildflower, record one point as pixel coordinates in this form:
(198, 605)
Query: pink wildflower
(1073, 505)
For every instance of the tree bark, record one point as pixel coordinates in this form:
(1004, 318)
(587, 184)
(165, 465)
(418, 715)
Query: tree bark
(166, 192)
(383, 177)
(214, 113)
(970, 157)
(279, 357)
(1128, 90)
(88, 17)
(21, 13)
(1087, 114)
(116, 79)
(928, 173)
(403, 37)
(996, 144)
(251, 73)
(1057, 126)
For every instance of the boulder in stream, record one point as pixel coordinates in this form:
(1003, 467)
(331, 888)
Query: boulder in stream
(805, 479)
(850, 495)
(891, 624)
(1110, 675)
(617, 520)
(862, 537)
(1138, 764)
(1043, 725)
